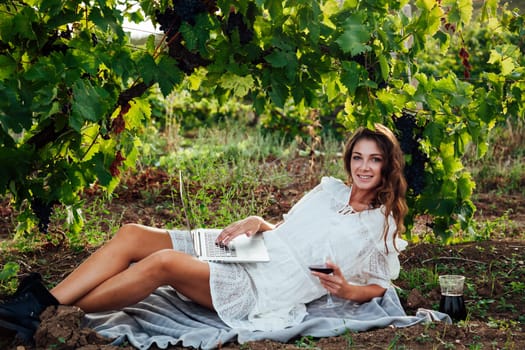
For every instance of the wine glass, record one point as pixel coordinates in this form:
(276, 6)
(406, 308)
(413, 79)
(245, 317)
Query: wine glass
(323, 268)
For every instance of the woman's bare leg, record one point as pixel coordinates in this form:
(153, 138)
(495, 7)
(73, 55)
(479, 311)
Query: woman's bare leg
(185, 273)
(131, 243)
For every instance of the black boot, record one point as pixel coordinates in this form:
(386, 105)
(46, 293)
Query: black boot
(27, 282)
(20, 313)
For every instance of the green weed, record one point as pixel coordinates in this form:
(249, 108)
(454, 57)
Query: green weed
(503, 305)
(422, 279)
(394, 343)
(306, 342)
(8, 277)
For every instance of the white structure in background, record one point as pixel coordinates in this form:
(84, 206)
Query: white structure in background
(140, 30)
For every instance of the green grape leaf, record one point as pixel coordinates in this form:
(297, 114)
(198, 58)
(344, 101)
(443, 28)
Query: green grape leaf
(503, 55)
(42, 70)
(148, 69)
(433, 20)
(8, 67)
(355, 36)
(385, 68)
(278, 59)
(259, 104)
(69, 186)
(22, 23)
(489, 9)
(451, 164)
(465, 185)
(151, 45)
(97, 167)
(390, 102)
(171, 75)
(106, 18)
(52, 7)
(135, 17)
(139, 110)
(90, 103)
(122, 64)
(331, 84)
(275, 8)
(19, 160)
(190, 36)
(353, 75)
(460, 11)
(307, 20)
(241, 86)
(278, 91)
(426, 5)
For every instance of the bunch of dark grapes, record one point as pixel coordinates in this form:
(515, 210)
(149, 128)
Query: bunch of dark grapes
(43, 212)
(169, 21)
(53, 44)
(408, 135)
(188, 9)
(182, 10)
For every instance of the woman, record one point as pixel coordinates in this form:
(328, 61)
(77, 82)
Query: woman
(357, 226)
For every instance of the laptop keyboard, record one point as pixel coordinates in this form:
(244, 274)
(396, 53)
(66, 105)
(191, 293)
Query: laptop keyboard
(217, 251)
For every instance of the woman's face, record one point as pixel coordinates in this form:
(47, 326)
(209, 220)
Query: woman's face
(365, 164)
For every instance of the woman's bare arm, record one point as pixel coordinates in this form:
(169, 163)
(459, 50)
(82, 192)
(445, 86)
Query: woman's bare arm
(337, 285)
(248, 226)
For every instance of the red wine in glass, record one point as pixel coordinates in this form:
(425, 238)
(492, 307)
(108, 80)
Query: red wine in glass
(454, 306)
(321, 268)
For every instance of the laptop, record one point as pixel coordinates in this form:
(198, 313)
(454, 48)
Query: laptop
(241, 249)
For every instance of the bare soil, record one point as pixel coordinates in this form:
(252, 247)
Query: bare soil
(494, 270)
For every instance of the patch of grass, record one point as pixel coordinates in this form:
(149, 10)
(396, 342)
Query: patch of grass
(497, 228)
(306, 342)
(423, 279)
(235, 150)
(225, 169)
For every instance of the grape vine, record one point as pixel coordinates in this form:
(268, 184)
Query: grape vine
(74, 92)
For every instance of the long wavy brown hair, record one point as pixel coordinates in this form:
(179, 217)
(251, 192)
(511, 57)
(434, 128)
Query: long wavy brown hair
(392, 190)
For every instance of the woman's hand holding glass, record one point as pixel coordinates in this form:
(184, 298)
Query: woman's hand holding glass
(334, 283)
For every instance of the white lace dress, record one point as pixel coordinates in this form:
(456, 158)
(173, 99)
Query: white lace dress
(272, 295)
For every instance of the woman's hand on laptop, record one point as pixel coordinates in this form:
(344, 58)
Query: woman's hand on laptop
(248, 226)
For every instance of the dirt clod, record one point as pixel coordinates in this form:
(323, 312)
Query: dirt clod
(416, 300)
(60, 328)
